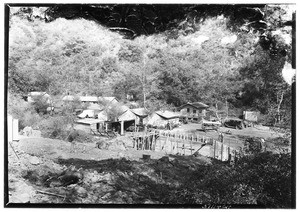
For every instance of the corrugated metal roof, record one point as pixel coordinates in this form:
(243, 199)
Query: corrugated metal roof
(89, 121)
(88, 98)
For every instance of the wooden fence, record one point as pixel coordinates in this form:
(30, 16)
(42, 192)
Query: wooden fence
(183, 144)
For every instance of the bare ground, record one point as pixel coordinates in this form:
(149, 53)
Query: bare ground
(43, 170)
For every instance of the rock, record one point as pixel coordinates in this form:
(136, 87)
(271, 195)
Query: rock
(34, 160)
(22, 193)
(91, 177)
(27, 131)
(81, 191)
(107, 177)
(106, 196)
(149, 202)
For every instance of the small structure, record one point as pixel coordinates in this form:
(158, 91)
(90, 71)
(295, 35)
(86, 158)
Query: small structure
(193, 111)
(68, 98)
(163, 118)
(132, 117)
(92, 99)
(251, 116)
(88, 124)
(89, 99)
(12, 128)
(36, 94)
(110, 99)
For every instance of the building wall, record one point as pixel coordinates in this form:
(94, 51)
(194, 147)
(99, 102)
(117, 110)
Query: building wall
(192, 113)
(12, 128)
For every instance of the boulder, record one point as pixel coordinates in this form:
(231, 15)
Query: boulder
(81, 191)
(34, 160)
(27, 131)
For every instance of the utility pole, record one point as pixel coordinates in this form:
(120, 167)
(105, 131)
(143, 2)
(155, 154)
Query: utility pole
(144, 81)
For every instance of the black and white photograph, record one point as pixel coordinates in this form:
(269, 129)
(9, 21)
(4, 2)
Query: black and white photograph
(150, 105)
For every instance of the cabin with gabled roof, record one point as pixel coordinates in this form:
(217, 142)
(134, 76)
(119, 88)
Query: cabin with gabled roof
(194, 111)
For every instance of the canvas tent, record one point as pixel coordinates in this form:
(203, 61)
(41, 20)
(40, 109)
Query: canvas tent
(162, 118)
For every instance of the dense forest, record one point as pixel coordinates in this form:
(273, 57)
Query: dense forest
(161, 55)
(230, 57)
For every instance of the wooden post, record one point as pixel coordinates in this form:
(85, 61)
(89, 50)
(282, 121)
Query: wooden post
(122, 128)
(106, 127)
(143, 141)
(221, 151)
(229, 155)
(191, 144)
(214, 148)
(183, 146)
(160, 140)
(177, 144)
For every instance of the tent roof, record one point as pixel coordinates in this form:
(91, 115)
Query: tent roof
(197, 105)
(139, 111)
(168, 114)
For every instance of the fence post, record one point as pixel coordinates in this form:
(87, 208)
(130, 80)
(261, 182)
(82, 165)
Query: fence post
(222, 151)
(214, 147)
(183, 146)
(191, 144)
(177, 144)
(229, 155)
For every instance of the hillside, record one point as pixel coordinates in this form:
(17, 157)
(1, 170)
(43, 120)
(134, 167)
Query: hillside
(214, 62)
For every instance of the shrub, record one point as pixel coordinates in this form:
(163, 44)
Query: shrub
(84, 137)
(252, 145)
(22, 110)
(263, 179)
(54, 127)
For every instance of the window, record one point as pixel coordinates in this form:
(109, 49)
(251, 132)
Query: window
(188, 110)
(194, 111)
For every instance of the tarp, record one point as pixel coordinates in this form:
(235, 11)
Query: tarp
(251, 116)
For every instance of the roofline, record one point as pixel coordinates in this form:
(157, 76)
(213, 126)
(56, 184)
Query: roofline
(192, 106)
(177, 116)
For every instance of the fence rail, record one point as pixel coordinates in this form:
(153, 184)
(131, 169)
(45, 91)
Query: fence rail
(184, 144)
